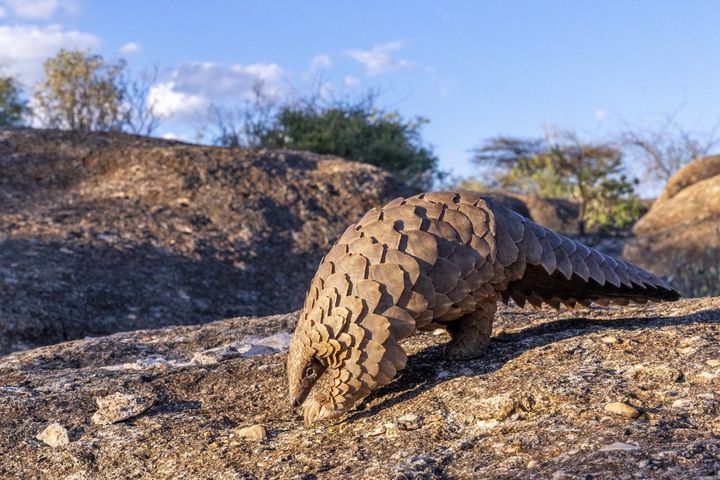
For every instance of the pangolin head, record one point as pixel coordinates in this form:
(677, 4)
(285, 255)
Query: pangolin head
(337, 356)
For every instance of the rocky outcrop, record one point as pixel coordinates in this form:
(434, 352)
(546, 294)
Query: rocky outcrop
(680, 236)
(108, 232)
(619, 392)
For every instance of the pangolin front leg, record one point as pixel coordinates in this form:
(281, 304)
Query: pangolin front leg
(437, 258)
(470, 334)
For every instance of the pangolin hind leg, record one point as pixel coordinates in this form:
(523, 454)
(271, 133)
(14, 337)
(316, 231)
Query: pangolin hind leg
(470, 334)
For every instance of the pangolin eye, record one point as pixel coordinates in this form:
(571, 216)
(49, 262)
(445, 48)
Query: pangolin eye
(309, 372)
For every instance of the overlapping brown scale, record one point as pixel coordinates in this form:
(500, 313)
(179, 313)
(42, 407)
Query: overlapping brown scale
(510, 224)
(414, 302)
(475, 280)
(372, 216)
(404, 217)
(391, 277)
(465, 257)
(367, 247)
(622, 272)
(461, 290)
(507, 249)
(446, 237)
(427, 210)
(402, 324)
(369, 291)
(516, 269)
(441, 305)
(394, 202)
(425, 287)
(531, 246)
(354, 265)
(547, 260)
(384, 232)
(355, 305)
(338, 250)
(478, 218)
(395, 354)
(377, 326)
(407, 262)
(579, 266)
(563, 263)
(339, 281)
(421, 245)
(608, 267)
(445, 275)
(338, 321)
(460, 223)
(448, 198)
(424, 319)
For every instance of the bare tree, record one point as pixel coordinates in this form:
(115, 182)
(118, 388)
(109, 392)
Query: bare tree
(244, 125)
(665, 149)
(140, 116)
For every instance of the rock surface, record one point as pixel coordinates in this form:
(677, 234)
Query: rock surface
(108, 232)
(533, 407)
(679, 237)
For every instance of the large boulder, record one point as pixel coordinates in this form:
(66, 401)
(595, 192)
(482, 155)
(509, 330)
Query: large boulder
(108, 232)
(615, 392)
(679, 237)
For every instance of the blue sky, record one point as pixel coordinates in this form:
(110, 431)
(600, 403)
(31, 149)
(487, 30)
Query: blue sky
(474, 68)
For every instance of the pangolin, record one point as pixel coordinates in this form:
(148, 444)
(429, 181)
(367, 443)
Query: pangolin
(436, 259)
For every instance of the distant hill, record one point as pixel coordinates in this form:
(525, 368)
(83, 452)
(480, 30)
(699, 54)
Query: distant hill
(107, 232)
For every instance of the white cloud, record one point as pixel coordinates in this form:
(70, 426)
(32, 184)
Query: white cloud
(39, 9)
(216, 81)
(130, 48)
(380, 59)
(320, 61)
(190, 88)
(351, 82)
(24, 48)
(166, 101)
(600, 115)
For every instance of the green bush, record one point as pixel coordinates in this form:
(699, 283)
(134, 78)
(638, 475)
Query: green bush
(354, 130)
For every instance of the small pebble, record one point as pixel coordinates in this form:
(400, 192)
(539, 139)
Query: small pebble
(713, 362)
(256, 433)
(619, 446)
(118, 407)
(622, 409)
(609, 340)
(410, 421)
(54, 435)
(681, 403)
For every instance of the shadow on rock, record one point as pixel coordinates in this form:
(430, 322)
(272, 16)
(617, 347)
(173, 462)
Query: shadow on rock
(426, 369)
(51, 292)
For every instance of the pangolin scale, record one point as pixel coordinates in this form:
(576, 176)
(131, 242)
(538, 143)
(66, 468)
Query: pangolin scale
(436, 259)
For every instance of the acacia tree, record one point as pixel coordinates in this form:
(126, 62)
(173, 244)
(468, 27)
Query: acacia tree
(563, 166)
(12, 106)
